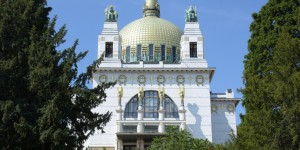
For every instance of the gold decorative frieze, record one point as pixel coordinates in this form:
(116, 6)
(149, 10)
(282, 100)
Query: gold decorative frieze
(171, 79)
(151, 79)
(131, 79)
(190, 80)
(112, 78)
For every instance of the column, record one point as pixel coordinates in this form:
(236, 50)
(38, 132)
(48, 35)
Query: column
(120, 144)
(182, 118)
(140, 144)
(140, 111)
(161, 114)
(161, 127)
(161, 95)
(161, 111)
(140, 127)
(182, 110)
(119, 127)
(119, 109)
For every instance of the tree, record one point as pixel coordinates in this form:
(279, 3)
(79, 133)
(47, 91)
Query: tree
(271, 78)
(183, 140)
(230, 144)
(44, 102)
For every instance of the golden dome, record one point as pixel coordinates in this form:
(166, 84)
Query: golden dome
(151, 30)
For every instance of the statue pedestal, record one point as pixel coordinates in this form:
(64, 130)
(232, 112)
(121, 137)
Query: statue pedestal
(140, 127)
(119, 127)
(161, 114)
(182, 117)
(182, 114)
(140, 114)
(161, 128)
(119, 113)
(182, 126)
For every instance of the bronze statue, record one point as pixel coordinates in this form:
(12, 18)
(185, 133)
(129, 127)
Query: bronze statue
(191, 14)
(111, 14)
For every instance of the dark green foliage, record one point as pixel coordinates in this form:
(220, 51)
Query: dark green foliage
(183, 140)
(231, 144)
(44, 103)
(272, 79)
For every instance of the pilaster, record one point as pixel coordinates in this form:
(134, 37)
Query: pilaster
(161, 128)
(140, 145)
(119, 144)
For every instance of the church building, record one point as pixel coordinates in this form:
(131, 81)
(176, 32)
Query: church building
(162, 79)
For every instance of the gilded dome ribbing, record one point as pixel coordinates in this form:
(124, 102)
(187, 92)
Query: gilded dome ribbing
(151, 30)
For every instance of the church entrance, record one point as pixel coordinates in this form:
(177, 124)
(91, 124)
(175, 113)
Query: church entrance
(135, 141)
(133, 147)
(129, 147)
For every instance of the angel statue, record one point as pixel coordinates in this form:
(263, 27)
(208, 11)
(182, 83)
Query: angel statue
(140, 95)
(181, 92)
(191, 14)
(111, 14)
(120, 94)
(161, 94)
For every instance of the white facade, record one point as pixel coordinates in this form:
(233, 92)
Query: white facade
(205, 114)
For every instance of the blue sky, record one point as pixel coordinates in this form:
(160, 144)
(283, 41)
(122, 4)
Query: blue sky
(224, 24)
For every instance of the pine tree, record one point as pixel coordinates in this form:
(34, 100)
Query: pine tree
(271, 78)
(44, 102)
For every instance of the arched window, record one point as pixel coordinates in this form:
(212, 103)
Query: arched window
(151, 104)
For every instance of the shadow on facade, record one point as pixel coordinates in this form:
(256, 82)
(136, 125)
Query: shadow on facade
(221, 128)
(194, 128)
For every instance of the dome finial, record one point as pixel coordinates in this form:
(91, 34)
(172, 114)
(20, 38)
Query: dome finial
(151, 8)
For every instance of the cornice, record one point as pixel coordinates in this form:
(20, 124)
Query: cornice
(211, 70)
(236, 100)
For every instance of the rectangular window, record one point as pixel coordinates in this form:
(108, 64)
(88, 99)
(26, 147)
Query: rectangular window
(150, 51)
(139, 52)
(151, 129)
(193, 49)
(163, 52)
(109, 49)
(128, 54)
(173, 53)
(129, 128)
